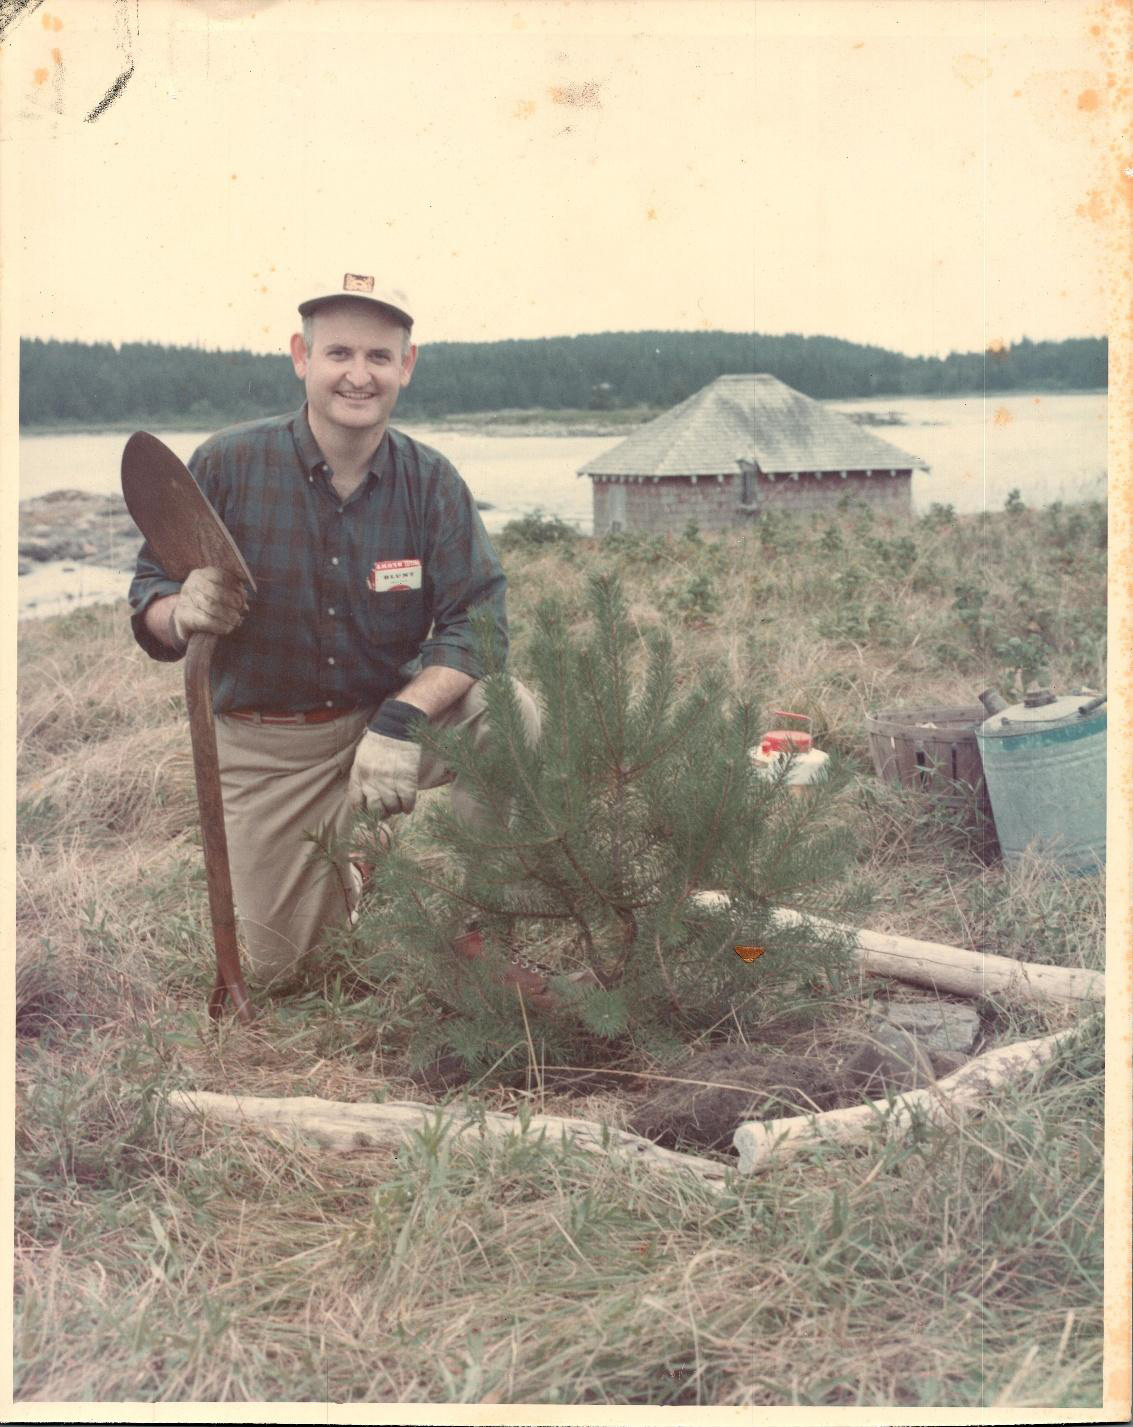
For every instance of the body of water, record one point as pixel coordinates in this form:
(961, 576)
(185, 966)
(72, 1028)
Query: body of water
(979, 448)
(1049, 448)
(514, 474)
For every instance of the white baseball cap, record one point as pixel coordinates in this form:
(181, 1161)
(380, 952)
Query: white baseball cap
(366, 287)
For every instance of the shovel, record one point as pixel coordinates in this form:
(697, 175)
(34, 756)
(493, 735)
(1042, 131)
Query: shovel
(185, 534)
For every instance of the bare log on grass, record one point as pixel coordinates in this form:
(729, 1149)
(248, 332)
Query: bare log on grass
(345, 1126)
(338, 1125)
(762, 1143)
(963, 973)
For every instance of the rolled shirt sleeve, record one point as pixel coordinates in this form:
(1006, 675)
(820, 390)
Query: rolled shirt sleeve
(150, 583)
(468, 584)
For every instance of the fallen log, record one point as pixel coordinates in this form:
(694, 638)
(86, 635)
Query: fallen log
(762, 1143)
(960, 972)
(350, 1126)
(338, 1125)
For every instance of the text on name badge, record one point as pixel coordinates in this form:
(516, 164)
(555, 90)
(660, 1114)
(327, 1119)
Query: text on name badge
(388, 575)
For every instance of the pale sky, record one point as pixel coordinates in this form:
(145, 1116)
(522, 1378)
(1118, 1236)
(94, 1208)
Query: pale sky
(925, 176)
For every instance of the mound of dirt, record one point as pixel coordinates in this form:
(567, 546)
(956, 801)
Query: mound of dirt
(885, 1060)
(745, 1084)
(447, 1072)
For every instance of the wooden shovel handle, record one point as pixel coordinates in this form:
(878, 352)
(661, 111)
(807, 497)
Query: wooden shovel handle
(202, 731)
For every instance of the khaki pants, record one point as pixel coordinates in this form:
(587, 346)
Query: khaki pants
(280, 781)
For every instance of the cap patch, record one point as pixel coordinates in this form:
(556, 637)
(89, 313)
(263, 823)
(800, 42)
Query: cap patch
(355, 282)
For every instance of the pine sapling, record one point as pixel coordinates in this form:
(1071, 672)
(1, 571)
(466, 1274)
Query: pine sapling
(639, 796)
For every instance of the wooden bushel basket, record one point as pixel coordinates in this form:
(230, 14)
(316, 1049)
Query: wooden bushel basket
(934, 751)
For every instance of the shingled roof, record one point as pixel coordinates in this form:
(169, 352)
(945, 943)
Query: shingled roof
(750, 417)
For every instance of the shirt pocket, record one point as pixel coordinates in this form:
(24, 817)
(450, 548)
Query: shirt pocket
(394, 617)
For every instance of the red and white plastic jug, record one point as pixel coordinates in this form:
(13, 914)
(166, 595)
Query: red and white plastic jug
(775, 748)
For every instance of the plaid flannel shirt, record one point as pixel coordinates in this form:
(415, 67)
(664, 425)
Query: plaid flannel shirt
(317, 635)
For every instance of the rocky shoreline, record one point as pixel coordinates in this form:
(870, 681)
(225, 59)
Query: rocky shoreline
(77, 526)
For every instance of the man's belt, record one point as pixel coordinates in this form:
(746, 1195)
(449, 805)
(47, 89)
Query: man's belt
(308, 716)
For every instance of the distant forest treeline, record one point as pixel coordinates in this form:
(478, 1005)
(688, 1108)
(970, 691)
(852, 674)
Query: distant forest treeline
(71, 383)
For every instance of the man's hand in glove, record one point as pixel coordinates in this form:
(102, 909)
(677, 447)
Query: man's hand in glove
(210, 602)
(384, 776)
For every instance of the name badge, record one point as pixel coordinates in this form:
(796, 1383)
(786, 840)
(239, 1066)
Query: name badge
(388, 575)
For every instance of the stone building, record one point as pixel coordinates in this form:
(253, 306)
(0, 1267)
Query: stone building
(743, 444)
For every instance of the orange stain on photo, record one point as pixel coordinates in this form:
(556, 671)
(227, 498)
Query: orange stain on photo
(749, 954)
(524, 109)
(57, 56)
(1088, 100)
(1003, 417)
(52, 22)
(651, 214)
(582, 96)
(40, 76)
(971, 69)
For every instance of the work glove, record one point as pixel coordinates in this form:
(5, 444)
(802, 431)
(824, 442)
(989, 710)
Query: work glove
(210, 602)
(384, 776)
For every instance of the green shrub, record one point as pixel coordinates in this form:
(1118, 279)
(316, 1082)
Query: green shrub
(538, 529)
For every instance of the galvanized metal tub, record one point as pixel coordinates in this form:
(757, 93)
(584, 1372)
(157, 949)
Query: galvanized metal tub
(933, 749)
(1046, 774)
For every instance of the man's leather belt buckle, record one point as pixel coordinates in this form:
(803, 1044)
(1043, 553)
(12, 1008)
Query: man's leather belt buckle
(309, 716)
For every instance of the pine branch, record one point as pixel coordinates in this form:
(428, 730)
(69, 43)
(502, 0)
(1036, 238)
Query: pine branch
(470, 770)
(581, 872)
(609, 609)
(619, 829)
(795, 820)
(520, 754)
(651, 710)
(599, 712)
(692, 882)
(674, 1002)
(664, 749)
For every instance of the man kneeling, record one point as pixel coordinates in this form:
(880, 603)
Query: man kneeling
(369, 557)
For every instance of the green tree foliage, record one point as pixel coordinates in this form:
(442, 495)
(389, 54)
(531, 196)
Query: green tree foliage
(75, 382)
(640, 794)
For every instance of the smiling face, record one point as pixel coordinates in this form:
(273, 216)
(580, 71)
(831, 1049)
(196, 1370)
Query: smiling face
(354, 370)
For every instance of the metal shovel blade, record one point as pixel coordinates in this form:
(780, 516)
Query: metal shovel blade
(186, 534)
(173, 514)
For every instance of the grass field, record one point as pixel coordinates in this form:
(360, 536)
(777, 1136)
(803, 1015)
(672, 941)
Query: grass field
(157, 1260)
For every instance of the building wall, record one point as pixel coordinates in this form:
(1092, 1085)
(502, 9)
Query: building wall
(893, 494)
(667, 506)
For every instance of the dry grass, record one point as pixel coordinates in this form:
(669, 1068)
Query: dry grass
(159, 1261)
